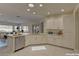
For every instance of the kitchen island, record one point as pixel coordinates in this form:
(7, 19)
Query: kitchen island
(16, 42)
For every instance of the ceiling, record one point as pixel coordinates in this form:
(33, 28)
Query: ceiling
(17, 12)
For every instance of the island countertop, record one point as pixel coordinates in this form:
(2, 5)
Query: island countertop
(11, 35)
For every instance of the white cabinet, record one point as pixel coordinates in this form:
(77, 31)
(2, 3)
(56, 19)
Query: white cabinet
(28, 40)
(69, 31)
(60, 23)
(51, 24)
(54, 23)
(51, 39)
(55, 40)
(15, 42)
(41, 39)
(68, 40)
(44, 39)
(35, 39)
(19, 42)
(59, 40)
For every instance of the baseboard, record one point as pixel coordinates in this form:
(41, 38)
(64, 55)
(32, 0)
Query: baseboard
(61, 46)
(49, 44)
(19, 49)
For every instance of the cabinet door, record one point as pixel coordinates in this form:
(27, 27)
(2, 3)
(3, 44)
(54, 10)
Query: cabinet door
(22, 38)
(37, 39)
(59, 40)
(44, 39)
(19, 42)
(69, 31)
(54, 23)
(60, 24)
(68, 40)
(28, 40)
(49, 24)
(51, 39)
(33, 39)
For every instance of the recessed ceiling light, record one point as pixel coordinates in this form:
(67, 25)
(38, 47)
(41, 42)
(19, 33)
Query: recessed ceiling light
(62, 10)
(34, 12)
(48, 13)
(31, 5)
(28, 9)
(41, 5)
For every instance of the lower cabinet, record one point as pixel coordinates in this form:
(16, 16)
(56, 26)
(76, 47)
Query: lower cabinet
(50, 39)
(59, 40)
(67, 44)
(41, 39)
(28, 40)
(55, 40)
(35, 39)
(19, 42)
(68, 40)
(44, 39)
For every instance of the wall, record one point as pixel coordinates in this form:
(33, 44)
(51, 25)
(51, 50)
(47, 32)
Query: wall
(77, 29)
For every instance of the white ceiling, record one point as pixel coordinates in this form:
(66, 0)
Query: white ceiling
(9, 11)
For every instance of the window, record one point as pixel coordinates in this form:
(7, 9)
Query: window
(6, 28)
(20, 28)
(25, 28)
(15, 28)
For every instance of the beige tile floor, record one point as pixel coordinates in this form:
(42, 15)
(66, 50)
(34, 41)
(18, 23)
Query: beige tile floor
(50, 51)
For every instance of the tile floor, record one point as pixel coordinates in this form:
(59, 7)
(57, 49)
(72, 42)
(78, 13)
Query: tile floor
(49, 51)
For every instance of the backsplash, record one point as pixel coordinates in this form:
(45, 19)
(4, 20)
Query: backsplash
(55, 31)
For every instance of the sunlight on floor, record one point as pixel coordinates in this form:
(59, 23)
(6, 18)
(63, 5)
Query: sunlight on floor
(36, 48)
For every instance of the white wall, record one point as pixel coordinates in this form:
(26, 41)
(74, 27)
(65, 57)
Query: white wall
(77, 29)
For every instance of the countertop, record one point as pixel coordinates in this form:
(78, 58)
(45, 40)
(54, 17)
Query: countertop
(44, 34)
(11, 35)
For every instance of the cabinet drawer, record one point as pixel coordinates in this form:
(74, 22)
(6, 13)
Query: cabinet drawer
(51, 40)
(59, 42)
(68, 44)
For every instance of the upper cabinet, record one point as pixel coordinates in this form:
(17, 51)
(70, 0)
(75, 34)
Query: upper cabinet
(55, 22)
